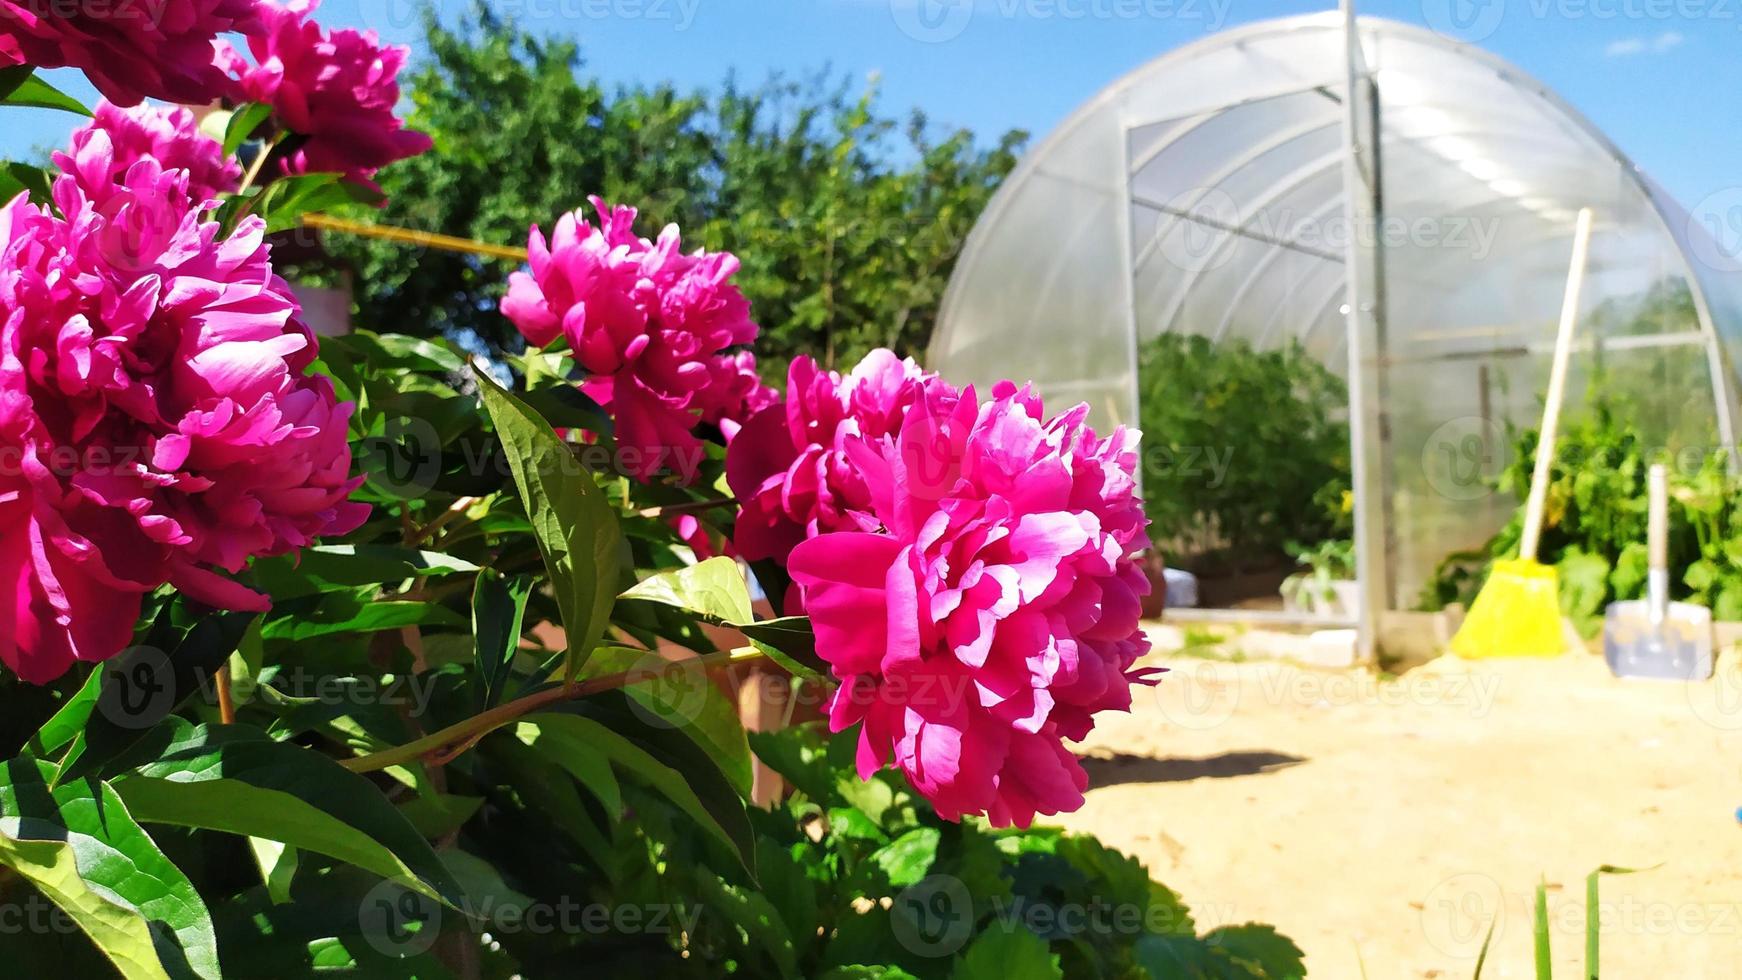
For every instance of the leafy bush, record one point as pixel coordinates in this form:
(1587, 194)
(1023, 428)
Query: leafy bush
(848, 221)
(1244, 451)
(1594, 523)
(489, 727)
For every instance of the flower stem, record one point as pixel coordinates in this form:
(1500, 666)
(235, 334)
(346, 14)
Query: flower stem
(455, 739)
(226, 699)
(266, 149)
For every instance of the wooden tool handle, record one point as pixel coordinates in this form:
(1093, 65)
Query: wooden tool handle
(1557, 381)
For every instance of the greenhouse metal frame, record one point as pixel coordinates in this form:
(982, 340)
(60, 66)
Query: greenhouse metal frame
(1398, 203)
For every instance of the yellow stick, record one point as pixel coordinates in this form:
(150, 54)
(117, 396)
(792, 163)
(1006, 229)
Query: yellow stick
(408, 236)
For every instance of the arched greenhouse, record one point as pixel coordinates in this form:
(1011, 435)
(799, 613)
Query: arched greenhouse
(1399, 205)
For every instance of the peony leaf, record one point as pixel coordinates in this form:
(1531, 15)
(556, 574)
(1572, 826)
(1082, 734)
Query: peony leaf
(750, 910)
(238, 780)
(681, 695)
(789, 642)
(32, 91)
(333, 567)
(573, 522)
(244, 120)
(342, 612)
(714, 588)
(600, 726)
(498, 616)
(143, 684)
(80, 847)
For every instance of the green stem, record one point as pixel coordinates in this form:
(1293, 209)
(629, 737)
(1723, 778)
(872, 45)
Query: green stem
(259, 162)
(468, 732)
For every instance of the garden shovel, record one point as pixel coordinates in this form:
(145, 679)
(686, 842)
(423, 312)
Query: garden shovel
(1654, 637)
(1518, 611)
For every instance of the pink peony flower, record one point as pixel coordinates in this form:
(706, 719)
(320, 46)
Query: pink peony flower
(168, 135)
(734, 393)
(129, 50)
(791, 473)
(156, 418)
(338, 90)
(647, 323)
(994, 608)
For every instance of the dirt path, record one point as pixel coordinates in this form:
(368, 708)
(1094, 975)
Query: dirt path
(1383, 824)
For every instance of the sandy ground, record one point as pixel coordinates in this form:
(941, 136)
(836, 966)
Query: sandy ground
(1384, 823)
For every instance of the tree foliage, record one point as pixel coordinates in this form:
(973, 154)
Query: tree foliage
(848, 223)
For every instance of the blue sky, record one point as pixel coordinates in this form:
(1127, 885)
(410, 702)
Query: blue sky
(1661, 77)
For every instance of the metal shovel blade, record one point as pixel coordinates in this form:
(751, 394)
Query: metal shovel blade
(1676, 647)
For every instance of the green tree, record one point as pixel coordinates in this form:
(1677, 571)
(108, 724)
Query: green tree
(848, 223)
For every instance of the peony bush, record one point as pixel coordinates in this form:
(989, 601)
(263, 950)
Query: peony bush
(357, 655)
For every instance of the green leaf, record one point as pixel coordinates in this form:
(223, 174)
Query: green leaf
(750, 911)
(573, 733)
(1539, 934)
(244, 120)
(1594, 921)
(567, 406)
(789, 642)
(333, 567)
(907, 858)
(588, 764)
(1272, 954)
(81, 848)
(679, 694)
(141, 686)
(498, 611)
(236, 779)
(397, 352)
(1005, 953)
(574, 524)
(36, 180)
(792, 892)
(287, 199)
(32, 91)
(346, 613)
(714, 589)
(69, 720)
(13, 76)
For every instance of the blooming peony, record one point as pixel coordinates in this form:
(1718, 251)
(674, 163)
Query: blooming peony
(129, 50)
(156, 420)
(734, 393)
(648, 324)
(790, 471)
(168, 135)
(337, 90)
(993, 609)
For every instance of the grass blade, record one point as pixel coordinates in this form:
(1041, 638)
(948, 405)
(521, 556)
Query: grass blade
(1544, 961)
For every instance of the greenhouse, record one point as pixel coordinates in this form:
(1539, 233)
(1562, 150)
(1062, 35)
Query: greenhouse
(1398, 205)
